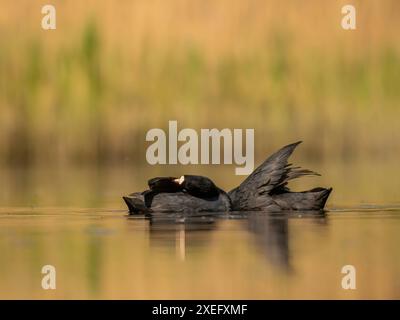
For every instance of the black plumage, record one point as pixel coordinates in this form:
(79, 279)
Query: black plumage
(265, 189)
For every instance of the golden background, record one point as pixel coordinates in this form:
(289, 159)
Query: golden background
(88, 91)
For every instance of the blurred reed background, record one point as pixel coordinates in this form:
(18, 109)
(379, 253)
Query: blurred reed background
(88, 92)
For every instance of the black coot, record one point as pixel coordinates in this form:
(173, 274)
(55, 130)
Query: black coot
(265, 189)
(189, 193)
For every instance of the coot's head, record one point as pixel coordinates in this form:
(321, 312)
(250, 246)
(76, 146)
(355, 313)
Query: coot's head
(198, 186)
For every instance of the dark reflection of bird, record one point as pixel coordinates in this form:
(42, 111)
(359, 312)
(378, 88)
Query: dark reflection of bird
(180, 233)
(271, 232)
(265, 189)
(272, 237)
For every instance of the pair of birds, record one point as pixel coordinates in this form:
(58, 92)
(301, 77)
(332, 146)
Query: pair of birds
(265, 189)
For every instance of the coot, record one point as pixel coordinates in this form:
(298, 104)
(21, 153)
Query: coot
(265, 189)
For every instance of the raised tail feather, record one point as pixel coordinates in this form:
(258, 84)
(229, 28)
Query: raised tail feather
(270, 178)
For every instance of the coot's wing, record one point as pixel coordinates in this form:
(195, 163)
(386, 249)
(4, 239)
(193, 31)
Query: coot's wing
(184, 202)
(199, 186)
(164, 184)
(272, 174)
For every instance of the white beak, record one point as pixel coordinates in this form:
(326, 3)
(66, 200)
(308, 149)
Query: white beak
(180, 180)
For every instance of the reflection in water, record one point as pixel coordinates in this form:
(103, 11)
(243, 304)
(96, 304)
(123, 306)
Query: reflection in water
(107, 254)
(181, 243)
(271, 232)
(179, 231)
(272, 238)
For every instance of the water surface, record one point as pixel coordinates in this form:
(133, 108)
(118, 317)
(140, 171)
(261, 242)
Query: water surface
(100, 252)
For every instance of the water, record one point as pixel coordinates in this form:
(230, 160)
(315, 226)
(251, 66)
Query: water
(76, 221)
